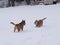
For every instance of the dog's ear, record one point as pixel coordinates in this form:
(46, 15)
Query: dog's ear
(23, 20)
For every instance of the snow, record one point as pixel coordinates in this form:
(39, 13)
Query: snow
(48, 34)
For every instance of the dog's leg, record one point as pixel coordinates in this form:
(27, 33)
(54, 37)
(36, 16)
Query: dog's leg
(18, 30)
(22, 28)
(14, 28)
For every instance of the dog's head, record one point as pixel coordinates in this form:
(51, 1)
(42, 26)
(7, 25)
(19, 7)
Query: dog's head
(23, 22)
(35, 21)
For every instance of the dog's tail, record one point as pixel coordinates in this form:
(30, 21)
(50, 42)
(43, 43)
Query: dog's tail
(44, 18)
(12, 23)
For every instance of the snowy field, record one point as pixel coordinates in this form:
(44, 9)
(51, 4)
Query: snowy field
(48, 34)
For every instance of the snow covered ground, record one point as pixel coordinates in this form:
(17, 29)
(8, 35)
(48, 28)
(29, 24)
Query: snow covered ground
(48, 34)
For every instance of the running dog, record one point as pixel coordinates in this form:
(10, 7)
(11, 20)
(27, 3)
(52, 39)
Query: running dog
(19, 26)
(39, 23)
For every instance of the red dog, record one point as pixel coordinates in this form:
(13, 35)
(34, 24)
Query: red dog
(39, 23)
(19, 26)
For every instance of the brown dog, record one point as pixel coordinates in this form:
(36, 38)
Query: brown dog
(39, 23)
(19, 26)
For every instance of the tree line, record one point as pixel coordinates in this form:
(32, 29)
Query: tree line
(12, 2)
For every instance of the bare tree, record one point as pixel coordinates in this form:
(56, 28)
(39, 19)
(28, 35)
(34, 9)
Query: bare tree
(11, 3)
